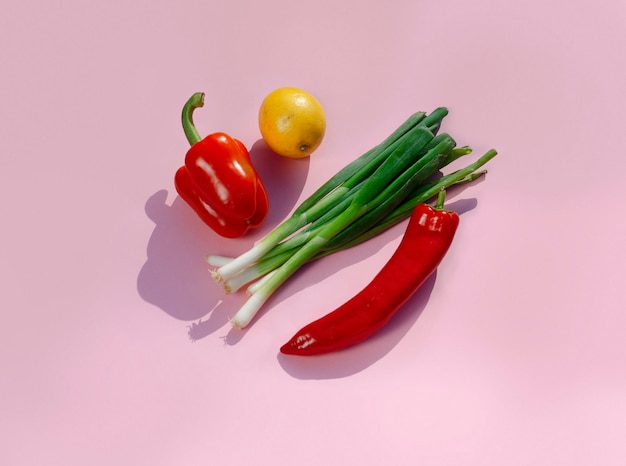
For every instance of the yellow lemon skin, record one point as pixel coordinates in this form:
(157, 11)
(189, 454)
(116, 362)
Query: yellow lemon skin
(292, 122)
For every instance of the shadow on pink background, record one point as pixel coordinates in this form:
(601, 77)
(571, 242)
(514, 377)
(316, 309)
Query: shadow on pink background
(176, 279)
(175, 276)
(513, 354)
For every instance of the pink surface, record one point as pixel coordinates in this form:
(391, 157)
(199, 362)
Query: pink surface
(513, 354)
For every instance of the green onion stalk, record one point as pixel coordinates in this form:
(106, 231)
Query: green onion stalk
(371, 194)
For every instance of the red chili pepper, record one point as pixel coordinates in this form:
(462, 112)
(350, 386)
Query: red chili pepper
(428, 236)
(218, 180)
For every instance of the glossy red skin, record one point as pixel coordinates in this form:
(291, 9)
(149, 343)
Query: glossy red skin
(424, 244)
(220, 184)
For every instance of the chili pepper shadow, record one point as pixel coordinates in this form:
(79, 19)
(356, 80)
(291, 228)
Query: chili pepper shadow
(175, 277)
(359, 357)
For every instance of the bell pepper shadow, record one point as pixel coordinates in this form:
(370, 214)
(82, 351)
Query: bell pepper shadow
(175, 276)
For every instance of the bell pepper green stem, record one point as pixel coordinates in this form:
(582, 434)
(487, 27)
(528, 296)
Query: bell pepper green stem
(195, 101)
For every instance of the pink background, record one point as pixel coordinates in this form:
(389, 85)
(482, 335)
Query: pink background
(513, 354)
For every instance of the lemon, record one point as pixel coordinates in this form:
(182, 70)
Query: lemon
(292, 122)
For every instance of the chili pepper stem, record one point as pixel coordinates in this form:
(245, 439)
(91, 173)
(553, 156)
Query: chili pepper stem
(195, 101)
(441, 198)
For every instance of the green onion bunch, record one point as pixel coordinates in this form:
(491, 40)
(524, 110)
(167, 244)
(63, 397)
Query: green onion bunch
(371, 194)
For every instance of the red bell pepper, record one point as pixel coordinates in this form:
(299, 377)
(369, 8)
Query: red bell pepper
(218, 180)
(423, 246)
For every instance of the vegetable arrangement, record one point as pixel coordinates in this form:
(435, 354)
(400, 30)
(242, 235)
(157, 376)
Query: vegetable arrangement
(387, 184)
(369, 195)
